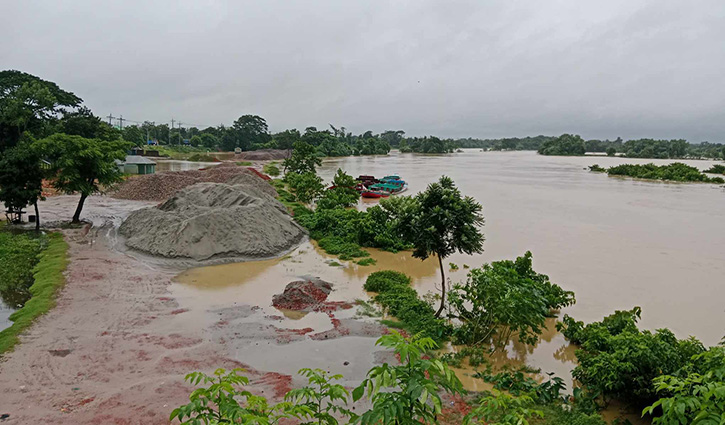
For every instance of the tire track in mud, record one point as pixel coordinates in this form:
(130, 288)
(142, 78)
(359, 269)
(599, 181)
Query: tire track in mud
(113, 350)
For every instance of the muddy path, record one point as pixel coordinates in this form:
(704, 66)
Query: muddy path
(116, 347)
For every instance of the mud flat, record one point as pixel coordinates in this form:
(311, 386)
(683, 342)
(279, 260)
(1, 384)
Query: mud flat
(121, 339)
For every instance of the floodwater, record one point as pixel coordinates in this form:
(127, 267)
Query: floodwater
(616, 242)
(5, 313)
(177, 165)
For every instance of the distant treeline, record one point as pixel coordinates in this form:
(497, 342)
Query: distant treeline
(568, 144)
(506, 144)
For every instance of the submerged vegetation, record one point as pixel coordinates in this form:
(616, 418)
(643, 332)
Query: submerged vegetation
(566, 144)
(716, 169)
(676, 171)
(47, 280)
(18, 255)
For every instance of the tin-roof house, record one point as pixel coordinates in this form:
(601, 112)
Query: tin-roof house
(135, 164)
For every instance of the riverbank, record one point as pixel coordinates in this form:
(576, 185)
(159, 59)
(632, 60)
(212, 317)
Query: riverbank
(48, 280)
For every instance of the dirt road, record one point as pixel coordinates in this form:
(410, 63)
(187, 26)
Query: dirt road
(116, 347)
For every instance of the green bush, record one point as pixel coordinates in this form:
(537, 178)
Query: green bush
(271, 170)
(716, 169)
(47, 279)
(18, 255)
(385, 280)
(617, 360)
(402, 302)
(676, 171)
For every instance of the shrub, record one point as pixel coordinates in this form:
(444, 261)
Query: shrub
(617, 360)
(271, 169)
(676, 171)
(716, 169)
(385, 280)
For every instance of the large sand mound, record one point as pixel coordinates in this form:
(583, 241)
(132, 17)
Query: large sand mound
(162, 186)
(211, 220)
(264, 154)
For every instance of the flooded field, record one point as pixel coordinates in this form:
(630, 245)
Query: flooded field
(616, 242)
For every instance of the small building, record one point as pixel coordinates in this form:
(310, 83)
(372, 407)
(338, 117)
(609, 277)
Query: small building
(135, 164)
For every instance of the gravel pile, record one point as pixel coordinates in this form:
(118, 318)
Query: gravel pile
(215, 220)
(303, 295)
(264, 155)
(162, 186)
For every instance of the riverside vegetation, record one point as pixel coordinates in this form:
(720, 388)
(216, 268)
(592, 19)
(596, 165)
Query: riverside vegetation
(676, 171)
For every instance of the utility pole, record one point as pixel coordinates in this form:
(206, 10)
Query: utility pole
(110, 117)
(120, 120)
(172, 127)
(179, 138)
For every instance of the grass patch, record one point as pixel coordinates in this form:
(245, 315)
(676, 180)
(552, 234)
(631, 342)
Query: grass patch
(244, 163)
(48, 275)
(367, 261)
(182, 152)
(271, 169)
(202, 157)
(334, 264)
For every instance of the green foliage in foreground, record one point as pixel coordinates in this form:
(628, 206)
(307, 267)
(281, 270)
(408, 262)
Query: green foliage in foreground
(319, 397)
(696, 396)
(18, 255)
(342, 194)
(48, 275)
(503, 298)
(408, 393)
(617, 360)
(716, 169)
(676, 171)
(401, 301)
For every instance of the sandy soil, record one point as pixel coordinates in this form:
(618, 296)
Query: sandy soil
(116, 347)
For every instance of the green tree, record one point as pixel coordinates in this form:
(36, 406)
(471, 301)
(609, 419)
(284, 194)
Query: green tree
(83, 123)
(306, 187)
(29, 103)
(342, 193)
(209, 141)
(250, 131)
(320, 396)
(408, 394)
(503, 298)
(195, 140)
(21, 179)
(611, 151)
(134, 135)
(82, 165)
(503, 409)
(444, 223)
(303, 159)
(287, 139)
(566, 144)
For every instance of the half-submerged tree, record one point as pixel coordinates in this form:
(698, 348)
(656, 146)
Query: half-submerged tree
(446, 222)
(82, 165)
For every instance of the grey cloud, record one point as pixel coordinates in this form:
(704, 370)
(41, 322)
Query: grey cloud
(450, 68)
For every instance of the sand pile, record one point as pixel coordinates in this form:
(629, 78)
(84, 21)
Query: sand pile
(162, 186)
(303, 295)
(212, 220)
(264, 154)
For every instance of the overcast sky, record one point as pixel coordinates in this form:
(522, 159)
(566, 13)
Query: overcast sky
(480, 68)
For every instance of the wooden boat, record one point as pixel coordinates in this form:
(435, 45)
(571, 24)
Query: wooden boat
(385, 188)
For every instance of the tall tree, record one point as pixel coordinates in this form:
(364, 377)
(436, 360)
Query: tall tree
(21, 179)
(251, 130)
(85, 124)
(82, 165)
(445, 222)
(303, 159)
(29, 103)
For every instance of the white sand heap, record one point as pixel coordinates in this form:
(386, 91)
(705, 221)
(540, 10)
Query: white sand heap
(212, 220)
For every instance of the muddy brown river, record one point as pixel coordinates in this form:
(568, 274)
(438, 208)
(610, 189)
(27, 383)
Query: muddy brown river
(616, 242)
